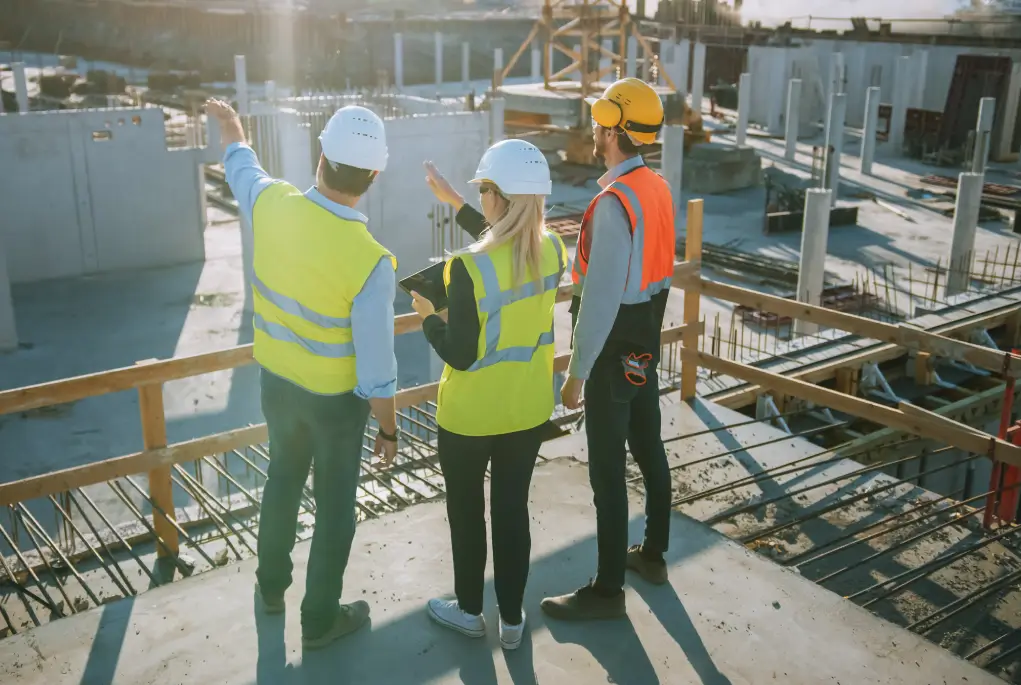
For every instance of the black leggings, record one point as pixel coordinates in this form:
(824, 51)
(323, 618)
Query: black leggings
(463, 460)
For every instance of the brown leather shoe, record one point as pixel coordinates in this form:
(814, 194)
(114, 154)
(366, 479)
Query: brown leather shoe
(584, 605)
(651, 571)
(350, 618)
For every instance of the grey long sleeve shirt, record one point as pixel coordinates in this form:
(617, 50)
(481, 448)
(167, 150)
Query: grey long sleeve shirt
(608, 265)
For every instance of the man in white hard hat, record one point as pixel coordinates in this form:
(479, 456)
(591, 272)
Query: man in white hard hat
(323, 291)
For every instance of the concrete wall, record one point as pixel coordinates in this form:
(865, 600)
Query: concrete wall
(866, 64)
(399, 203)
(93, 191)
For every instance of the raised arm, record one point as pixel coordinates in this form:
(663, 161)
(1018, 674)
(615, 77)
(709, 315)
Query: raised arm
(241, 167)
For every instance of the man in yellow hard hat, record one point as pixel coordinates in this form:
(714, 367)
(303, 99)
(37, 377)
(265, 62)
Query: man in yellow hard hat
(323, 290)
(622, 274)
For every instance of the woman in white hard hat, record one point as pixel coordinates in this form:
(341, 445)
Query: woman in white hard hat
(496, 392)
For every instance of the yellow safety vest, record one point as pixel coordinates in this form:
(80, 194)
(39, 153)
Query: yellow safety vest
(309, 266)
(510, 387)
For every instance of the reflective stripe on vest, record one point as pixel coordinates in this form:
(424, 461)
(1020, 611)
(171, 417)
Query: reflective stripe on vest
(492, 304)
(321, 349)
(295, 308)
(631, 189)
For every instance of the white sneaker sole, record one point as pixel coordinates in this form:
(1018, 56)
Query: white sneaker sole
(511, 646)
(469, 632)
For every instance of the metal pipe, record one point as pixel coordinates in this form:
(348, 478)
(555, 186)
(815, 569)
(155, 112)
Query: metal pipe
(117, 581)
(925, 569)
(1002, 655)
(198, 487)
(963, 603)
(900, 545)
(733, 425)
(120, 538)
(123, 496)
(221, 525)
(27, 518)
(48, 602)
(853, 534)
(790, 494)
(992, 643)
(781, 470)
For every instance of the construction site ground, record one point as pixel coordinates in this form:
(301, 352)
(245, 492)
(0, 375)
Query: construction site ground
(728, 616)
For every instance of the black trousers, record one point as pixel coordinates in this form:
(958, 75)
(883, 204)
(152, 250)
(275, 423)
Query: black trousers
(464, 460)
(619, 415)
(305, 427)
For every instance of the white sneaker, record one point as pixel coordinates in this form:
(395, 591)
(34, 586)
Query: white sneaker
(447, 613)
(510, 636)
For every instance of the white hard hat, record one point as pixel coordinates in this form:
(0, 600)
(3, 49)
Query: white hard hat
(355, 136)
(516, 167)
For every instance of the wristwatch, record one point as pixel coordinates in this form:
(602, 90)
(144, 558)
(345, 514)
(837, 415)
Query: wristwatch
(390, 437)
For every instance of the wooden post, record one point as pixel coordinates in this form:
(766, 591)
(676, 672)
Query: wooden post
(154, 436)
(692, 297)
(924, 369)
(847, 380)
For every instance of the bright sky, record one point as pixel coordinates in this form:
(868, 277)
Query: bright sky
(778, 11)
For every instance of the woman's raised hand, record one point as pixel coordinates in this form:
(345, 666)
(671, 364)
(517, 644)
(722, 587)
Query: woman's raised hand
(441, 188)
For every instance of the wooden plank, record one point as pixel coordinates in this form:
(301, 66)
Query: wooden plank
(743, 396)
(161, 488)
(692, 298)
(521, 50)
(906, 336)
(165, 370)
(139, 462)
(920, 422)
(178, 453)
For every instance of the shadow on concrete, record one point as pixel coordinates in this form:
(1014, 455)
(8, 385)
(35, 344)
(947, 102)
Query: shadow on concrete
(410, 648)
(101, 667)
(668, 609)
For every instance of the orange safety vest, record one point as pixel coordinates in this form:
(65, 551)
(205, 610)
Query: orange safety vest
(646, 198)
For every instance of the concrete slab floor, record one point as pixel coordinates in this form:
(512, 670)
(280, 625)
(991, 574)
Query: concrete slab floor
(728, 617)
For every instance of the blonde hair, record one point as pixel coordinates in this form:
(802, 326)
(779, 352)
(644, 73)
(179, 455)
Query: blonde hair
(522, 225)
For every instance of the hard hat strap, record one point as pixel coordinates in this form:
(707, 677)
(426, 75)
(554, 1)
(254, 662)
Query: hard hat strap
(641, 128)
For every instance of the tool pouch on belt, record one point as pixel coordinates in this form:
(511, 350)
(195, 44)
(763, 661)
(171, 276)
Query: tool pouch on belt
(634, 367)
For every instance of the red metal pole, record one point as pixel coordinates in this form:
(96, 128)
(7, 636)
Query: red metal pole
(995, 506)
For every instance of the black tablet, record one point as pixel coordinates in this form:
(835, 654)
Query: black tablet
(429, 284)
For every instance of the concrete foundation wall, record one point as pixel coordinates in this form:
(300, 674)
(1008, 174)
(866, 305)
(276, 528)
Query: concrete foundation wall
(95, 191)
(865, 64)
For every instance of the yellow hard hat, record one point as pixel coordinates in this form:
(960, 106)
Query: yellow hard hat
(630, 104)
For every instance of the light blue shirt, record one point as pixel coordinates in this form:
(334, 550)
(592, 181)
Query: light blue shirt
(608, 264)
(372, 311)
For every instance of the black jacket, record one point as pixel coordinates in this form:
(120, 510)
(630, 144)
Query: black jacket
(456, 340)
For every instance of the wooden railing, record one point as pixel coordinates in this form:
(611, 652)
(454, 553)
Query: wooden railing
(156, 458)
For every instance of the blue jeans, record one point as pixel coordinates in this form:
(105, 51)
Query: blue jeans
(305, 427)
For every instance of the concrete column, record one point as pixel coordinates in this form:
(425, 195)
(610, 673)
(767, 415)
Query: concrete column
(983, 134)
(241, 84)
(632, 57)
(1010, 112)
(8, 332)
(921, 72)
(20, 86)
(666, 57)
(838, 70)
(399, 61)
(466, 54)
(793, 118)
(899, 113)
(812, 263)
(962, 243)
(777, 61)
(496, 113)
(498, 64)
(438, 57)
(271, 90)
(536, 62)
(682, 63)
(605, 61)
(673, 163)
(744, 103)
(868, 138)
(835, 115)
(698, 77)
(646, 65)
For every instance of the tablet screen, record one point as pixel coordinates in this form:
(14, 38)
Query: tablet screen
(429, 284)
